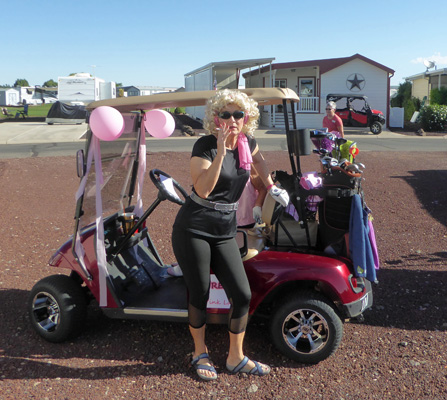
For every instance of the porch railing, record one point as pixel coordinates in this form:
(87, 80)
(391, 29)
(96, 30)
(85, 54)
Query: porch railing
(308, 104)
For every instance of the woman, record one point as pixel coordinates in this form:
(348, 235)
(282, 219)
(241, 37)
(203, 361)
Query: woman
(332, 121)
(205, 228)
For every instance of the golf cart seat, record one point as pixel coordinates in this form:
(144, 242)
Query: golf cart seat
(274, 232)
(255, 242)
(255, 237)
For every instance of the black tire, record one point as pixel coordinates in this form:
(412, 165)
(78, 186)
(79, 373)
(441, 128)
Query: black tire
(57, 308)
(376, 127)
(306, 328)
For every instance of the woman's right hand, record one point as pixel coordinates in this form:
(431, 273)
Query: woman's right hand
(222, 133)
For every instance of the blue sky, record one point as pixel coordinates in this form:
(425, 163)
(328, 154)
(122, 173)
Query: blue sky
(154, 43)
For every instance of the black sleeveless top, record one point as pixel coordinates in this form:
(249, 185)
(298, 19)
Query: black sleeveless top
(229, 187)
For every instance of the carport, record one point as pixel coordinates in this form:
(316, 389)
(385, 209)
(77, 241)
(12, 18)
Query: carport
(223, 75)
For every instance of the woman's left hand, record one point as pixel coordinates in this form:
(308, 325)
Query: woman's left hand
(280, 195)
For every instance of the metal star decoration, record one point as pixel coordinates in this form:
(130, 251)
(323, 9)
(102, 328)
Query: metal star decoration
(356, 82)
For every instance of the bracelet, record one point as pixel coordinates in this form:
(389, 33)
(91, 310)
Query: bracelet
(270, 186)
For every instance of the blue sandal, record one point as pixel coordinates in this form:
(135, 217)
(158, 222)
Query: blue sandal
(257, 370)
(199, 367)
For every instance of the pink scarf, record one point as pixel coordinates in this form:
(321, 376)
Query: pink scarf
(245, 159)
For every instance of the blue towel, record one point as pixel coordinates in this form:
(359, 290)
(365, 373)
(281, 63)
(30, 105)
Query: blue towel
(359, 243)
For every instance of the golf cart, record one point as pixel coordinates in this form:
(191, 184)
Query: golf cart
(303, 290)
(354, 110)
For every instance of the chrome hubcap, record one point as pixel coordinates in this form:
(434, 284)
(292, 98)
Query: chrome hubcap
(46, 311)
(305, 331)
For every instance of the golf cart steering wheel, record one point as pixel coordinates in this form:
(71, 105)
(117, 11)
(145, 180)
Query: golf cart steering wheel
(166, 185)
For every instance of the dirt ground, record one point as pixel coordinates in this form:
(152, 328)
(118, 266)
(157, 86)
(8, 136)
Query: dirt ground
(398, 352)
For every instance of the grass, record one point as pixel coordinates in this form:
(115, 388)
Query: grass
(33, 111)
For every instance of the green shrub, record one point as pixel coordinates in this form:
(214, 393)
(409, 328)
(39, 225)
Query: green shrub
(434, 118)
(438, 96)
(403, 94)
(411, 105)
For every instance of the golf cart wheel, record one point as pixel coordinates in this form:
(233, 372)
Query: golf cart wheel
(57, 308)
(306, 329)
(376, 128)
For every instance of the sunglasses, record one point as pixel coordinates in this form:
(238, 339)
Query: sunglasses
(228, 115)
(328, 109)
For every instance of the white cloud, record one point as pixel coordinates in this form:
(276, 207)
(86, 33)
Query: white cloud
(436, 57)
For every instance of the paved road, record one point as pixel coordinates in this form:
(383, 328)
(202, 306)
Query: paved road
(27, 139)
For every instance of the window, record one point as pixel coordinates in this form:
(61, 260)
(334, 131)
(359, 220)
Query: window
(281, 83)
(306, 87)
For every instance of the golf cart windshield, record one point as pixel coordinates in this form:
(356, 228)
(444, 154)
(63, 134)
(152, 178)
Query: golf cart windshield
(118, 160)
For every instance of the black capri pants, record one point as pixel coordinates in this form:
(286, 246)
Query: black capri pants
(196, 255)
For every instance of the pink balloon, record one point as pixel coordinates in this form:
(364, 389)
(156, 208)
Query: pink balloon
(106, 123)
(159, 123)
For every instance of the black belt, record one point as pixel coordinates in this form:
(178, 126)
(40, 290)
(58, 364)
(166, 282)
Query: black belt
(211, 204)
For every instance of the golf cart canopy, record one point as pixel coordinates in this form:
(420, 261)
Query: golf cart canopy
(263, 96)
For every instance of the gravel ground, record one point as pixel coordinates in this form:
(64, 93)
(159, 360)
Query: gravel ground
(398, 352)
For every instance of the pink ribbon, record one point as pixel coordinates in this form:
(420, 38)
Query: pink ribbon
(95, 154)
(100, 246)
(245, 158)
(141, 172)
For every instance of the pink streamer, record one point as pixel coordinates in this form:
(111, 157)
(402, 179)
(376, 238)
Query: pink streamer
(100, 246)
(95, 154)
(141, 172)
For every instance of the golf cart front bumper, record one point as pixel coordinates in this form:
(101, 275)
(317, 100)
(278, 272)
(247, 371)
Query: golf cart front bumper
(357, 307)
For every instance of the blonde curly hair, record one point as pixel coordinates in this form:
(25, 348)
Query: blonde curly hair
(225, 97)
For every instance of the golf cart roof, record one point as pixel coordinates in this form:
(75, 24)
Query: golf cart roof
(264, 96)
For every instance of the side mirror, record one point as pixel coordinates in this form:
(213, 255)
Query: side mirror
(80, 166)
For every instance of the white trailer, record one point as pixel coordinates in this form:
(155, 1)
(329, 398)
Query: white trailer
(83, 89)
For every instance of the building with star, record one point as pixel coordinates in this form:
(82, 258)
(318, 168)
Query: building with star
(313, 80)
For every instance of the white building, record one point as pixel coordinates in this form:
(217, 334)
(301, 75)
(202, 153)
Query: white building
(31, 95)
(83, 88)
(314, 80)
(9, 96)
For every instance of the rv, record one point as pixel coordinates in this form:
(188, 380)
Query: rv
(83, 88)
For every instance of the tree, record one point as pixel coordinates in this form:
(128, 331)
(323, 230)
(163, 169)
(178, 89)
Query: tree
(403, 94)
(21, 82)
(74, 73)
(50, 83)
(438, 96)
(404, 99)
